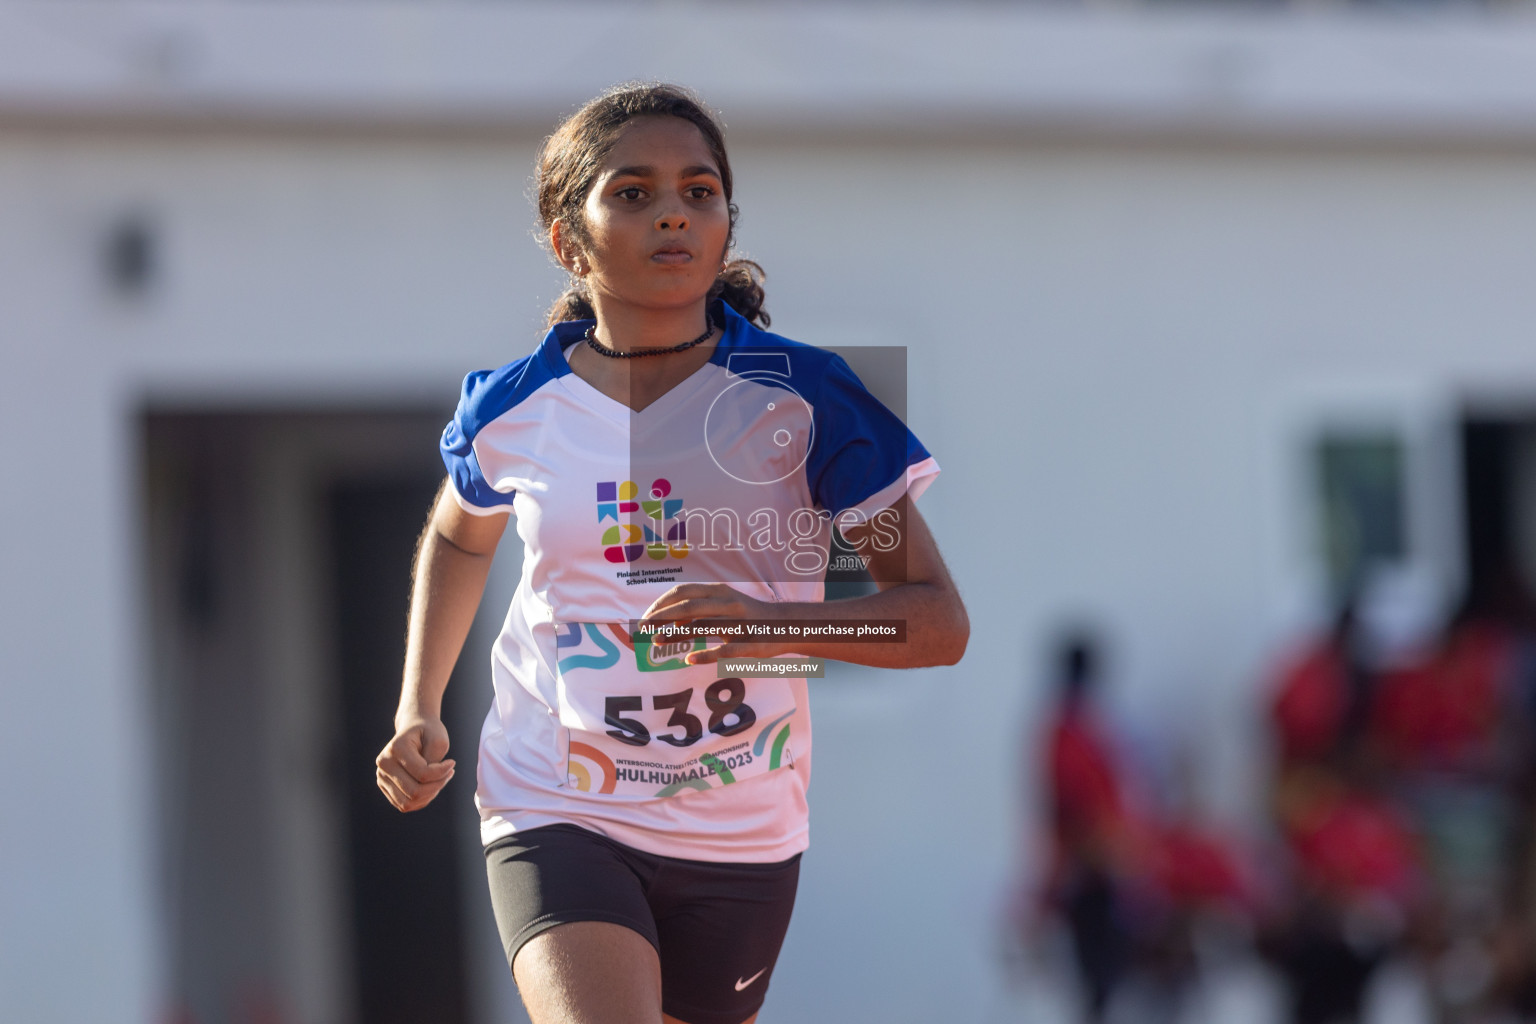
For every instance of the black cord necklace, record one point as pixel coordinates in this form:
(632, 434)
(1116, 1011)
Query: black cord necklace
(635, 353)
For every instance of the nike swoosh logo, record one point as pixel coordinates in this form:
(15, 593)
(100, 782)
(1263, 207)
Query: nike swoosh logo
(743, 984)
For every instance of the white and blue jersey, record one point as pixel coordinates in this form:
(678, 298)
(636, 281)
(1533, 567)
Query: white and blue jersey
(734, 476)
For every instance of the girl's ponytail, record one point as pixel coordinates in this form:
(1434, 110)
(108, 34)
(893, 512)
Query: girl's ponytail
(573, 305)
(740, 285)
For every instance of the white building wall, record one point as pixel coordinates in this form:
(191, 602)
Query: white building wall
(1110, 336)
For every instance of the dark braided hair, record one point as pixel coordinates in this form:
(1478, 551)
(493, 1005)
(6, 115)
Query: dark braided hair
(572, 156)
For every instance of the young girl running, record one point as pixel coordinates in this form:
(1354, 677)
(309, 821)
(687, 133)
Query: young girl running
(668, 462)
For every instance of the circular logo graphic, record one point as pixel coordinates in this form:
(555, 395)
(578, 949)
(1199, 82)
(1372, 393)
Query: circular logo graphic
(750, 431)
(590, 770)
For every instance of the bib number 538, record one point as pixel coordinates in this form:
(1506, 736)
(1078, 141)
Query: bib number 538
(725, 699)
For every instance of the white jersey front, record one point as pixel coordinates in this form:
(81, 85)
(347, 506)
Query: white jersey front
(734, 476)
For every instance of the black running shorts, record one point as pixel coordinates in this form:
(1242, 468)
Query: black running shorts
(716, 926)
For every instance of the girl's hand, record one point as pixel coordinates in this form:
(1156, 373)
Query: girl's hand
(412, 768)
(717, 604)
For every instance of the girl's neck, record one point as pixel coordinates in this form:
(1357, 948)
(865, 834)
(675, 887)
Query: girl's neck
(639, 382)
(623, 327)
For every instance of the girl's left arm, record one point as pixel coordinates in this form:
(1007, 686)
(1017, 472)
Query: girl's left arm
(915, 587)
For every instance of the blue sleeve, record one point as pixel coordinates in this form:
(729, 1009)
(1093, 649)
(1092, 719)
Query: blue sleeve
(473, 490)
(860, 450)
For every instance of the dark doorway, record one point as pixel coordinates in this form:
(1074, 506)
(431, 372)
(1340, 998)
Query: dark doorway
(1499, 473)
(278, 550)
(405, 884)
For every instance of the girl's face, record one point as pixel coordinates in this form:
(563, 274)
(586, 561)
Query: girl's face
(657, 218)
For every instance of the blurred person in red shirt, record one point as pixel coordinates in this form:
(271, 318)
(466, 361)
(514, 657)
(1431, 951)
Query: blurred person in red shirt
(1128, 882)
(1351, 878)
(1093, 839)
(1444, 711)
(1456, 727)
(1323, 696)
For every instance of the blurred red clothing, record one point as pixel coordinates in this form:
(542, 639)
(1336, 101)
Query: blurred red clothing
(1086, 801)
(1356, 844)
(1196, 867)
(1175, 862)
(1311, 702)
(1445, 710)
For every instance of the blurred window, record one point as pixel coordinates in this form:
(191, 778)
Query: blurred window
(1362, 493)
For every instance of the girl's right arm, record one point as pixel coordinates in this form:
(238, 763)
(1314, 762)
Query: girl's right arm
(453, 560)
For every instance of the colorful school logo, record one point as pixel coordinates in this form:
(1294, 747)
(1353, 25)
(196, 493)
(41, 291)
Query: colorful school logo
(659, 533)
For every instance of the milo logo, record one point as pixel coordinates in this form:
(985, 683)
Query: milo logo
(663, 656)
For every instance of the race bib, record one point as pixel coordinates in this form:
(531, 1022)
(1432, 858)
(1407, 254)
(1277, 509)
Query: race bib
(645, 724)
